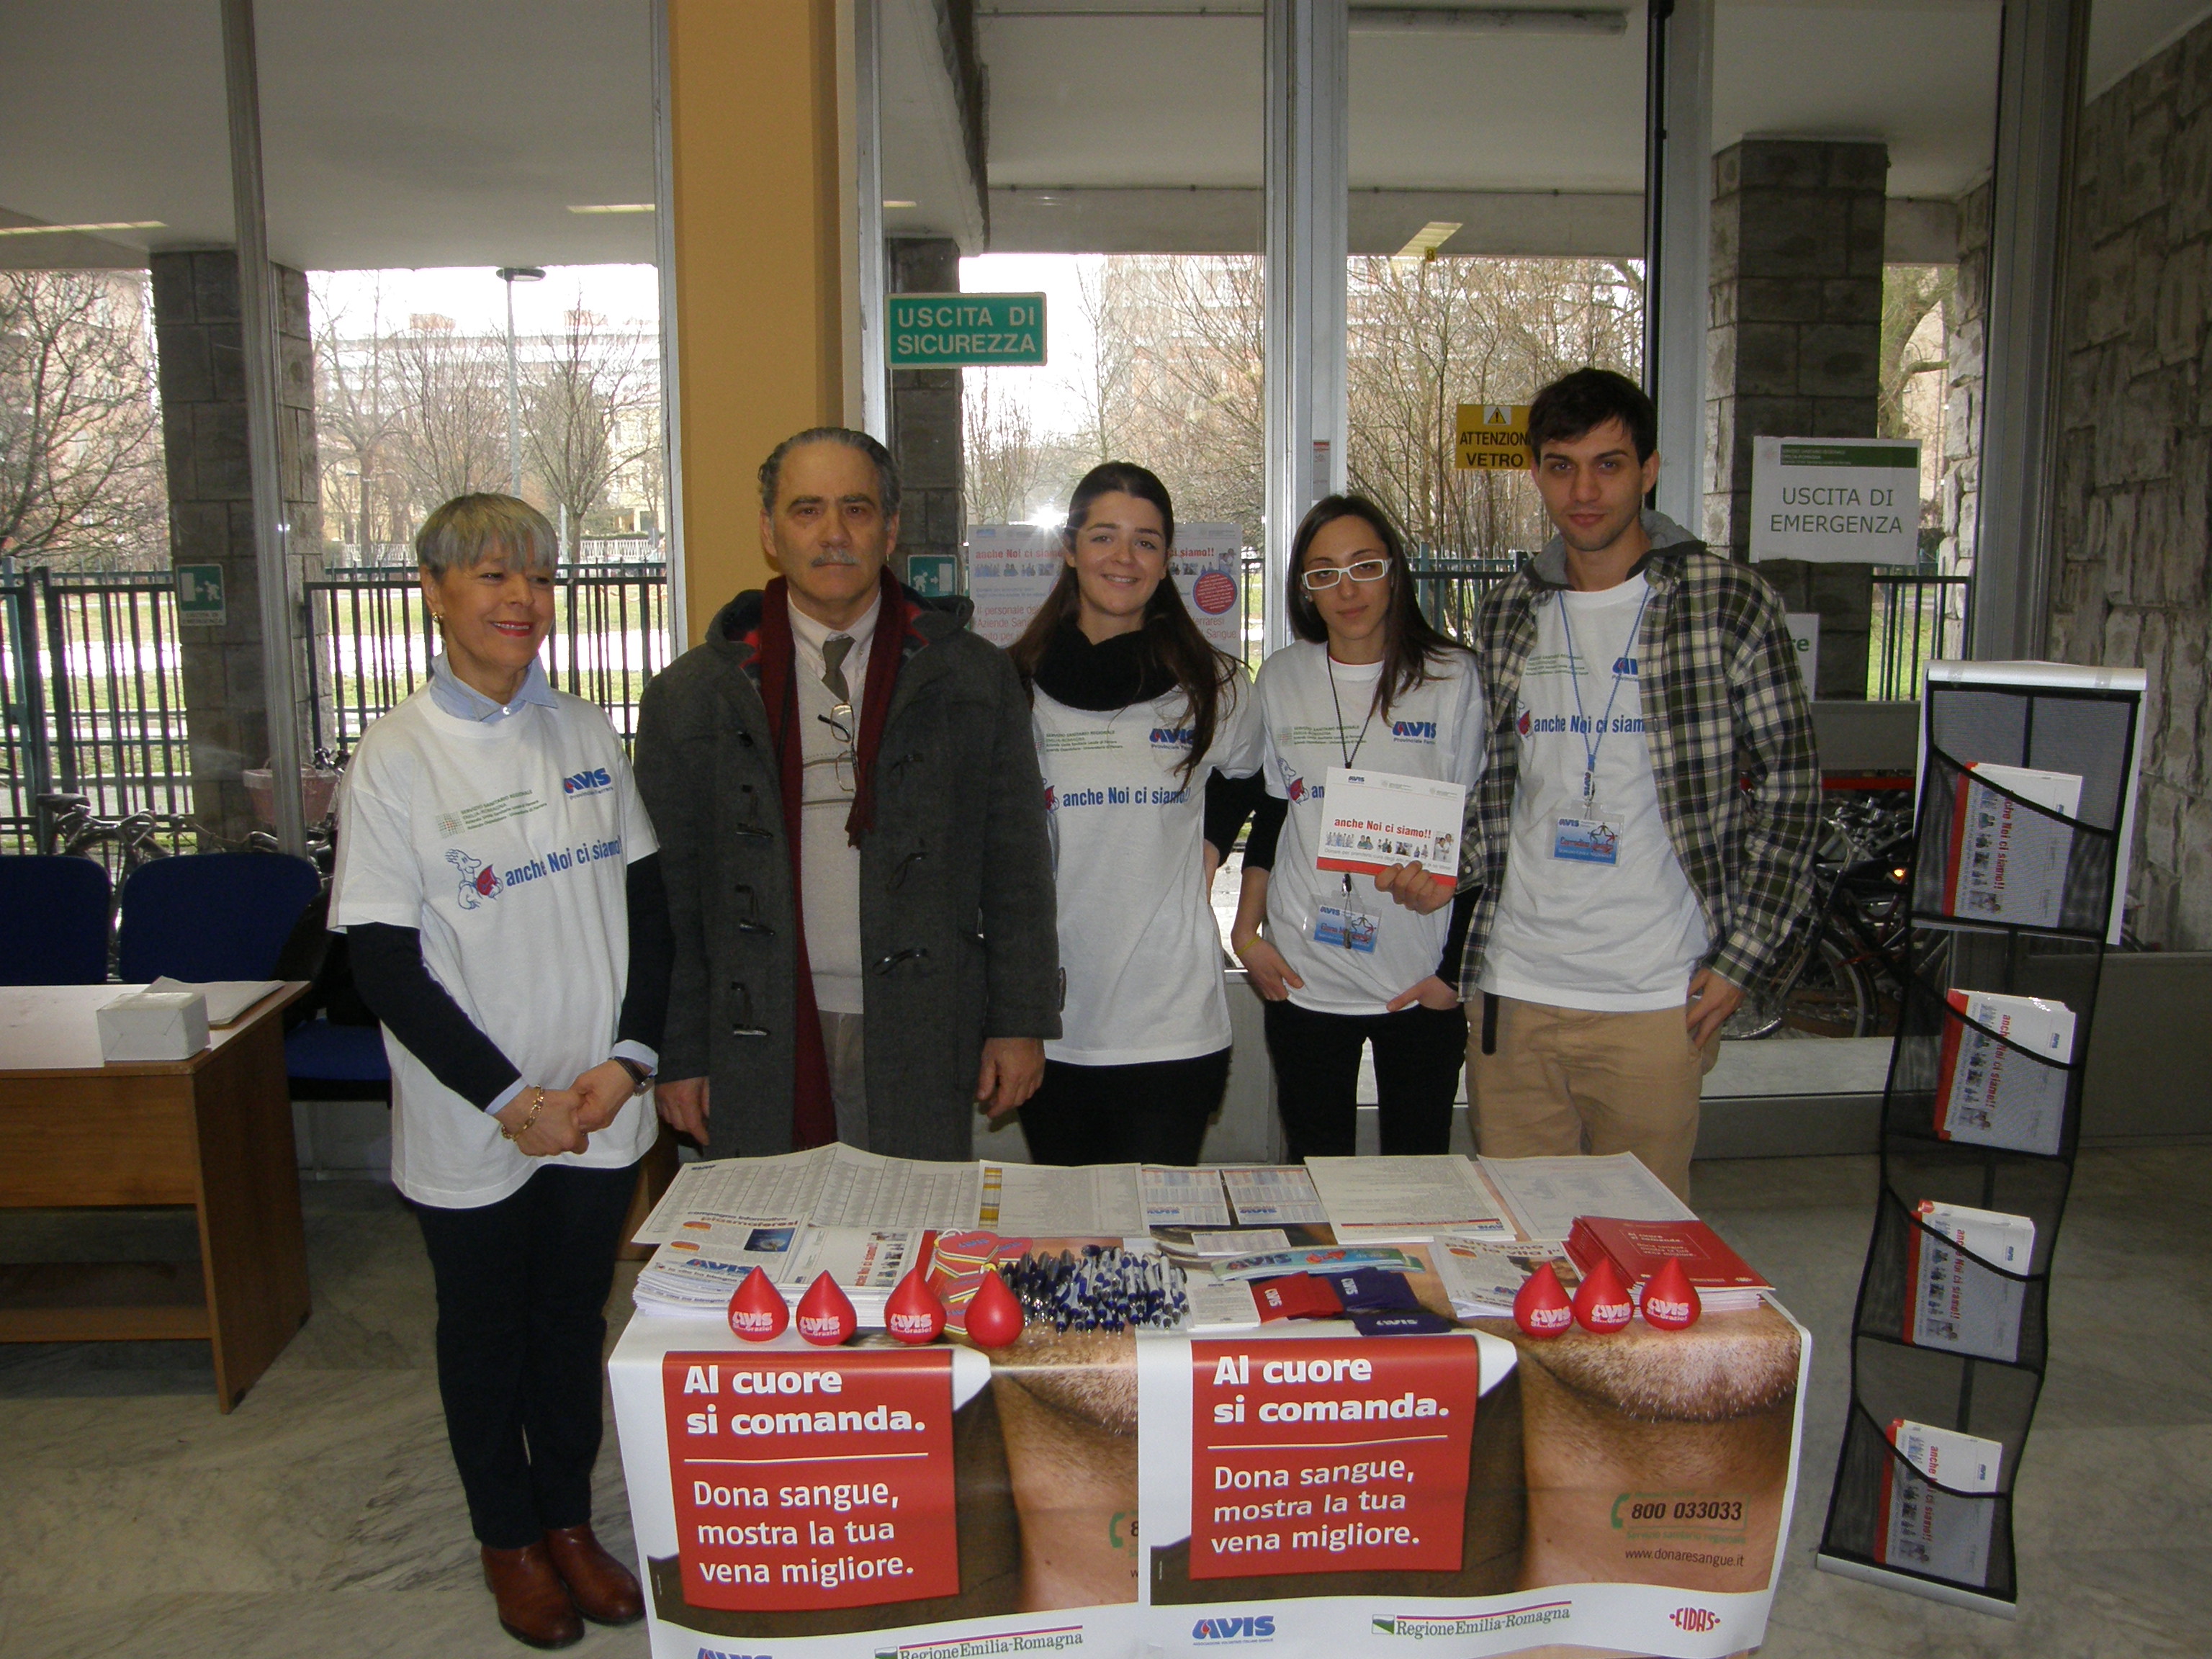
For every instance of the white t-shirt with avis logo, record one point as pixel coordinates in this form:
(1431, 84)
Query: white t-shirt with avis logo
(505, 843)
(1139, 949)
(1434, 730)
(1595, 911)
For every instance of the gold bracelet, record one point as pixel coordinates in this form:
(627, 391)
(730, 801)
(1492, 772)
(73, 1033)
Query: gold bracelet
(536, 1100)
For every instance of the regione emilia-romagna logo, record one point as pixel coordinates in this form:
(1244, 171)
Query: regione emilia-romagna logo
(589, 782)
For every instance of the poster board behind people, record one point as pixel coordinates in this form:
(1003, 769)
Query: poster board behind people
(1838, 500)
(1804, 628)
(1012, 568)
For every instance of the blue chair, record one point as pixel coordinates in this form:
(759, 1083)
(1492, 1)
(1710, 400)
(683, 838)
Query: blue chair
(326, 1061)
(211, 916)
(54, 913)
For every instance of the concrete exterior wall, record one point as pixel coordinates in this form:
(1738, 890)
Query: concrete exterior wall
(925, 429)
(1794, 350)
(2134, 580)
(202, 389)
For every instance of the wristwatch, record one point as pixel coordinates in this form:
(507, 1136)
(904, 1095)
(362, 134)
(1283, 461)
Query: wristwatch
(640, 1078)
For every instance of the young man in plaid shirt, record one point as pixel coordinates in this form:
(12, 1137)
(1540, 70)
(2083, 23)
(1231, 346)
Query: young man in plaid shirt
(1644, 836)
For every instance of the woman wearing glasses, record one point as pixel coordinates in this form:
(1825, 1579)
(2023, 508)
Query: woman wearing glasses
(1369, 685)
(1134, 713)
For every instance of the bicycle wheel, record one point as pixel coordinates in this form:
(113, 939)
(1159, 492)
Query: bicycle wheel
(1830, 996)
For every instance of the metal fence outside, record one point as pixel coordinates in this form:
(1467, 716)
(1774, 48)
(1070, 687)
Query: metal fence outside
(370, 643)
(94, 695)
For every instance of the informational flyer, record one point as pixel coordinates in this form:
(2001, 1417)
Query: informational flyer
(1929, 1523)
(1545, 1194)
(1958, 1301)
(1372, 1199)
(1104, 1201)
(1012, 567)
(1184, 1198)
(1264, 1196)
(1992, 1086)
(1376, 821)
(2007, 860)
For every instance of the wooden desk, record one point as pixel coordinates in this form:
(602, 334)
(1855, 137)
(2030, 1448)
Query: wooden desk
(214, 1132)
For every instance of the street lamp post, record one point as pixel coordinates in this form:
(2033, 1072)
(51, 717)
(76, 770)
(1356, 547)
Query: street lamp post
(511, 275)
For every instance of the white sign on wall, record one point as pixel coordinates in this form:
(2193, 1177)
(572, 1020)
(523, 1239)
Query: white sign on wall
(1012, 568)
(1843, 501)
(1805, 633)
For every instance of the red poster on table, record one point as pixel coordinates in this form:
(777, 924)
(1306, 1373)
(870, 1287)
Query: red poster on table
(812, 1480)
(1330, 1454)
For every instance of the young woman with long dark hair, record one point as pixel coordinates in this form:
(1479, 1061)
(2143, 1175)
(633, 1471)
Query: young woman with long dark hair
(1134, 715)
(1369, 684)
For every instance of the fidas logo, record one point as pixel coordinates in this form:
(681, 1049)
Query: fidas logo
(1259, 1629)
(1414, 731)
(1173, 737)
(588, 783)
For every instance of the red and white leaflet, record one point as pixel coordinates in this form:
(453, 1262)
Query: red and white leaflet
(1937, 1532)
(1988, 1094)
(2008, 862)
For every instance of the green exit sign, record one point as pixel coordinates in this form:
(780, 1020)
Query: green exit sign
(966, 330)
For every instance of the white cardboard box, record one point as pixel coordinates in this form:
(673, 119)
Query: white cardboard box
(141, 1025)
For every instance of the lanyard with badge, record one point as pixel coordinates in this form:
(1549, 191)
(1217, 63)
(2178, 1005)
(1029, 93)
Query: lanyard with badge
(1339, 923)
(1591, 837)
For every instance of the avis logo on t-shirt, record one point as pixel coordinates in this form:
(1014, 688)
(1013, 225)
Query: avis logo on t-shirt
(1173, 737)
(590, 782)
(1414, 731)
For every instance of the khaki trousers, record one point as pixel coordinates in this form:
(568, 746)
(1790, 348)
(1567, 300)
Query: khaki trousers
(1569, 1080)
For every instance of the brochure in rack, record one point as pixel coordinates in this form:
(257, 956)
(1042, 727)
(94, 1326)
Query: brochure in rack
(1992, 1095)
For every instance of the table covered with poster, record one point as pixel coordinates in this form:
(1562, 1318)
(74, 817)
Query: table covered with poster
(1296, 1485)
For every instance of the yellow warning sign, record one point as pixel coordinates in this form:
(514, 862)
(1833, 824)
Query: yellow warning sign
(1494, 437)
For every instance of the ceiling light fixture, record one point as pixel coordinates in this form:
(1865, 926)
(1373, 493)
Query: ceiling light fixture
(614, 207)
(1427, 240)
(71, 230)
(888, 203)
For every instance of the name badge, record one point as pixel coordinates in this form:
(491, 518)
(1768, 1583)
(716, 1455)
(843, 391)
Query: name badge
(1586, 841)
(1354, 930)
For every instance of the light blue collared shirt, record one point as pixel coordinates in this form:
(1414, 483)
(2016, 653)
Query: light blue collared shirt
(464, 702)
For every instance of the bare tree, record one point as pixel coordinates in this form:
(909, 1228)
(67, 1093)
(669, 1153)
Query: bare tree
(1004, 463)
(358, 422)
(1099, 385)
(1909, 293)
(449, 395)
(80, 425)
(577, 432)
(1196, 350)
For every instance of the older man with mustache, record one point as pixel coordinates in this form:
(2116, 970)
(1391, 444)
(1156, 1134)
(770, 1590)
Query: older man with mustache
(854, 843)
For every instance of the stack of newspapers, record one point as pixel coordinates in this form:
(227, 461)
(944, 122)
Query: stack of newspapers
(696, 1272)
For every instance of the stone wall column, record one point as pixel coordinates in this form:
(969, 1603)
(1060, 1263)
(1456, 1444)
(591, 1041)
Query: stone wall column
(926, 424)
(202, 389)
(1794, 350)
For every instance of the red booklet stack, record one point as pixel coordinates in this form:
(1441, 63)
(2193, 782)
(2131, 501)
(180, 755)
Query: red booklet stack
(1725, 1283)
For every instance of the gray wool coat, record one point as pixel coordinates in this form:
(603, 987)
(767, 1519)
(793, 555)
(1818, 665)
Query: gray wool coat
(959, 934)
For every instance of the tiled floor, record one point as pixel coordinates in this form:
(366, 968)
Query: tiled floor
(323, 1516)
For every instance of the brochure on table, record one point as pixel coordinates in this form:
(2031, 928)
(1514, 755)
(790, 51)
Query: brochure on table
(1182, 1490)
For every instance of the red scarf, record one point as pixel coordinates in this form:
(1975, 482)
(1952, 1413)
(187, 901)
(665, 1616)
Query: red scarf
(814, 1113)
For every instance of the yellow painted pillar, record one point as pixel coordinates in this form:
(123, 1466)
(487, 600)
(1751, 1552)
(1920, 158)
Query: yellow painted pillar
(760, 256)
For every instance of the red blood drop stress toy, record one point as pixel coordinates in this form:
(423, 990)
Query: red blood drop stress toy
(994, 1317)
(757, 1309)
(1601, 1304)
(825, 1313)
(1670, 1300)
(913, 1313)
(1541, 1307)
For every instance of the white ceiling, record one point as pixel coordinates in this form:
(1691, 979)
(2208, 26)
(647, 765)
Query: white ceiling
(429, 132)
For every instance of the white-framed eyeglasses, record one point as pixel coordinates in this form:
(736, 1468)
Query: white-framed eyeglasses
(1327, 575)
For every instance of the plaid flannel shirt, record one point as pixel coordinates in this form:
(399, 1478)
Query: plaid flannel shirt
(1722, 675)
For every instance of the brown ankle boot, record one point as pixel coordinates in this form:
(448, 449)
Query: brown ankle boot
(533, 1604)
(605, 1591)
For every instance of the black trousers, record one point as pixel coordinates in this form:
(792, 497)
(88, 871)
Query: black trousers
(522, 1293)
(1418, 1055)
(1155, 1112)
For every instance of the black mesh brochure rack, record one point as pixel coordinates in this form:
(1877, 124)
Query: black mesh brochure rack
(2026, 807)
